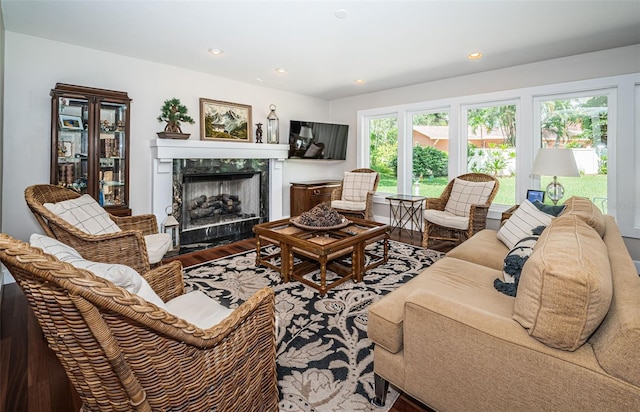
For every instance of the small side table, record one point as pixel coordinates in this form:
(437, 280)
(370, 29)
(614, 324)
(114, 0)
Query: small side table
(406, 209)
(508, 213)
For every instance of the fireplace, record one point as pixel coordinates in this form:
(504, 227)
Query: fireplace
(219, 200)
(173, 158)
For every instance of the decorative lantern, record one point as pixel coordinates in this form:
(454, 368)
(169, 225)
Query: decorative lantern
(171, 227)
(272, 126)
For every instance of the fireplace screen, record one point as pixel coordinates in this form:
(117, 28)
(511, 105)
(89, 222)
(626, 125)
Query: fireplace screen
(220, 199)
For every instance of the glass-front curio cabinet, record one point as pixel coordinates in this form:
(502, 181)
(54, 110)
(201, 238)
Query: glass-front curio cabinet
(90, 144)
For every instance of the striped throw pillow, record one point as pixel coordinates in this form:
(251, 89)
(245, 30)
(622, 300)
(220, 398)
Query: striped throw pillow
(526, 218)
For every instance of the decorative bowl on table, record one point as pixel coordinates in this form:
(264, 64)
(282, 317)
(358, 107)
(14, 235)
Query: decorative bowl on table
(295, 221)
(321, 217)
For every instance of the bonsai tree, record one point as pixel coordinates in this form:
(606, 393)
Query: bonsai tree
(173, 112)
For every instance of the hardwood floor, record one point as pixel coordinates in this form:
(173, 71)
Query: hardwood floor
(31, 377)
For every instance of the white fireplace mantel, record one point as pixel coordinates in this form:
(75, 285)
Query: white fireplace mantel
(163, 151)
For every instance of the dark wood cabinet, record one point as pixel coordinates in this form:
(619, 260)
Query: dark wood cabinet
(306, 195)
(90, 144)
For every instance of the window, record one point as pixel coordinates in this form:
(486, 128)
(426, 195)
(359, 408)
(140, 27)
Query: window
(491, 146)
(596, 118)
(581, 124)
(430, 153)
(383, 151)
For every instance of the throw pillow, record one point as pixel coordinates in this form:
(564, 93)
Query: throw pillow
(355, 185)
(513, 264)
(85, 214)
(566, 287)
(314, 151)
(521, 223)
(549, 209)
(120, 275)
(465, 193)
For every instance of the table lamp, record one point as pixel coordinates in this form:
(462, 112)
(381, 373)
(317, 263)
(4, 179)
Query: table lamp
(555, 162)
(307, 135)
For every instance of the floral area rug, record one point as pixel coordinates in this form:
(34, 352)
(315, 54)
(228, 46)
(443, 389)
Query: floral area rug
(325, 359)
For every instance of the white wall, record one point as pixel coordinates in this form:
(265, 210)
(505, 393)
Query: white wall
(32, 68)
(625, 60)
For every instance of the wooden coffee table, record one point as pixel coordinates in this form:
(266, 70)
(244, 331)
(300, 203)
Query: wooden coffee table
(302, 250)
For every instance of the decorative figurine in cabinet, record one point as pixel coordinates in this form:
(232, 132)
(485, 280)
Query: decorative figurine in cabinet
(90, 144)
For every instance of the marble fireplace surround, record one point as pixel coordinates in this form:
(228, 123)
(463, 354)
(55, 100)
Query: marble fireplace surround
(163, 151)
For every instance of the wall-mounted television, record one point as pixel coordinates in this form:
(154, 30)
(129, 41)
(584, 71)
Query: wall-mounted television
(314, 140)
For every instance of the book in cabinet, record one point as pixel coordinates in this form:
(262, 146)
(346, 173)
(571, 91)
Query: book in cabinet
(90, 144)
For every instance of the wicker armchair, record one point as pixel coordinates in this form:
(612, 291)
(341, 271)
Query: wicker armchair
(122, 353)
(367, 211)
(127, 247)
(477, 213)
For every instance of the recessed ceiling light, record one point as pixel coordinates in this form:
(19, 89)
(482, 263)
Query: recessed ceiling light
(216, 52)
(341, 13)
(359, 81)
(474, 56)
(281, 70)
(259, 79)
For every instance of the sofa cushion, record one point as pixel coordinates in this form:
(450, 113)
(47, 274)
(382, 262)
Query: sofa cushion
(85, 214)
(465, 282)
(565, 288)
(587, 211)
(521, 224)
(120, 275)
(615, 342)
(465, 193)
(356, 185)
(483, 248)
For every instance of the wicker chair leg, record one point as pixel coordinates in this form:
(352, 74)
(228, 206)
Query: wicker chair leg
(425, 237)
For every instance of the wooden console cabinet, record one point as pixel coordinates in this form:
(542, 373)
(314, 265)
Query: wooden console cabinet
(306, 195)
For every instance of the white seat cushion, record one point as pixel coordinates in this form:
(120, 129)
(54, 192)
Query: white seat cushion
(121, 275)
(446, 219)
(198, 309)
(85, 214)
(349, 205)
(194, 307)
(465, 193)
(157, 246)
(356, 185)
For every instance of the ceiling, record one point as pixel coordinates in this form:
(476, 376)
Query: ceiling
(387, 44)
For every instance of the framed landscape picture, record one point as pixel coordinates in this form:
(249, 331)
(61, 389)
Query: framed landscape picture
(224, 121)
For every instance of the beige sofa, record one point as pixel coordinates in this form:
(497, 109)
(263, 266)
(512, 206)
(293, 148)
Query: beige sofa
(452, 341)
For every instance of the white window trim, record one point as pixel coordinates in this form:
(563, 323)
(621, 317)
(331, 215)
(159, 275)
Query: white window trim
(622, 149)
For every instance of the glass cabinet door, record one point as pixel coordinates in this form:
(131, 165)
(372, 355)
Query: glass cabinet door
(111, 151)
(89, 144)
(72, 145)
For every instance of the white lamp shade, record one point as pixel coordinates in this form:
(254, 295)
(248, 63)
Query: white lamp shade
(555, 162)
(306, 133)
